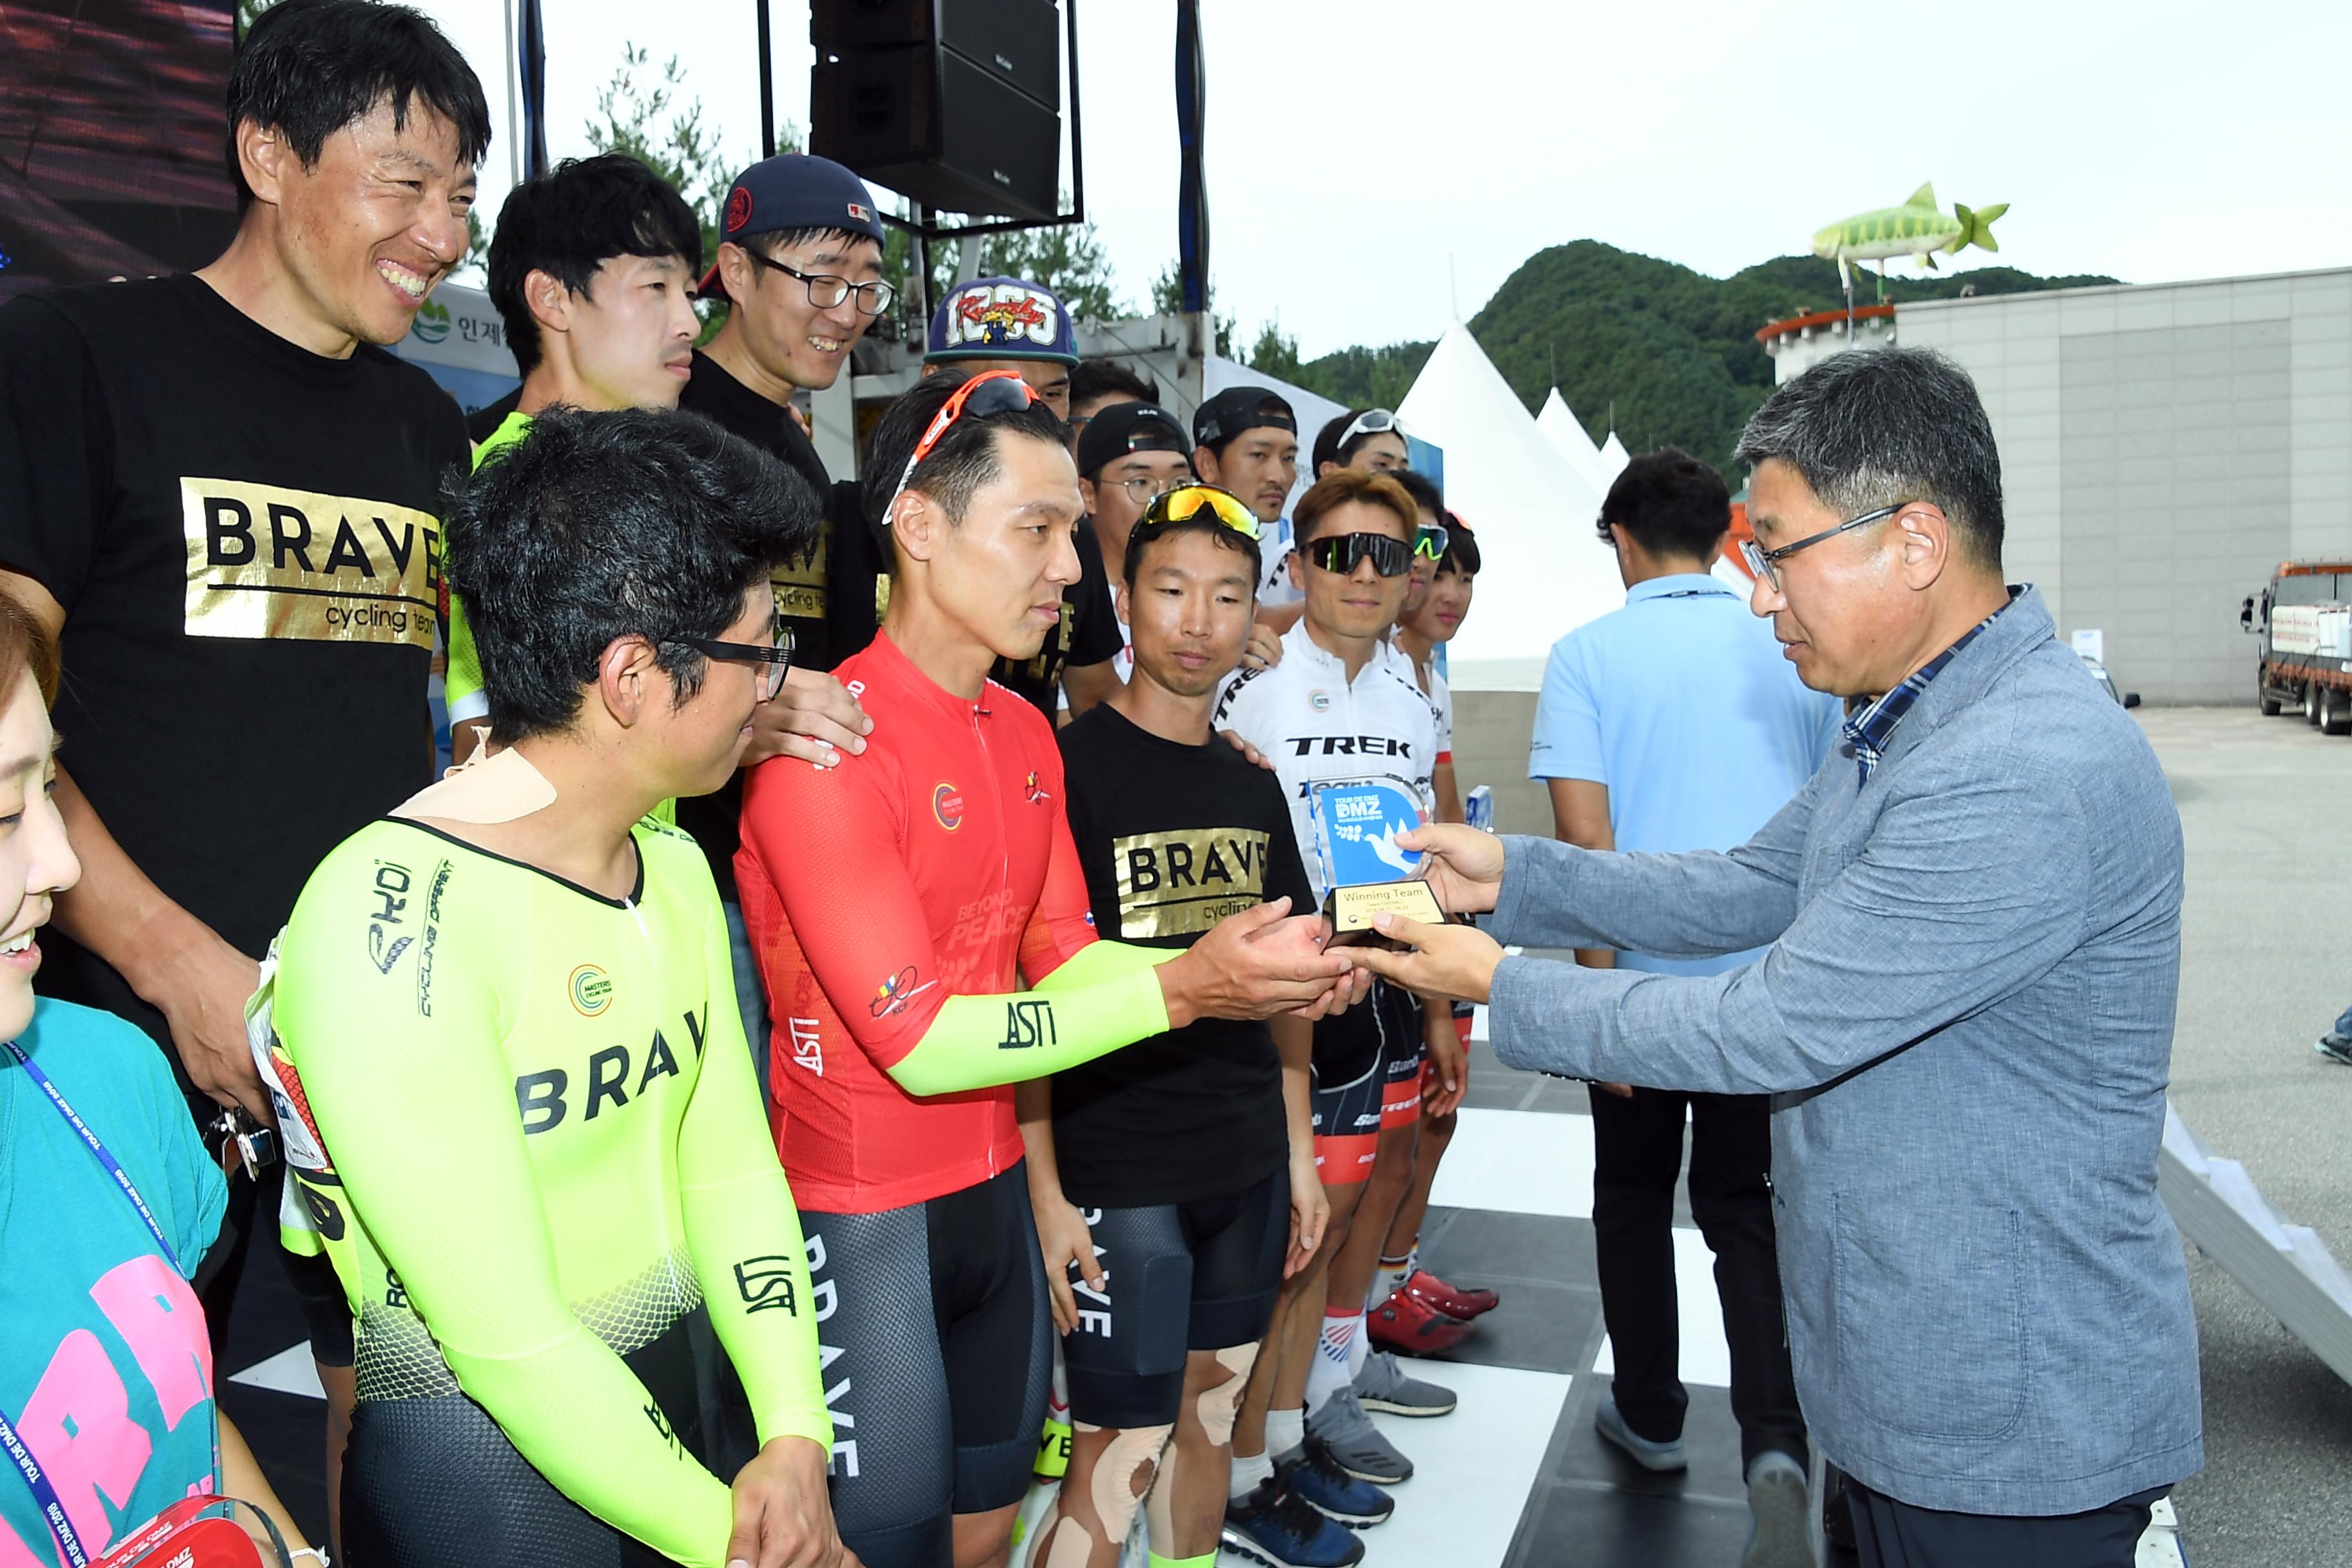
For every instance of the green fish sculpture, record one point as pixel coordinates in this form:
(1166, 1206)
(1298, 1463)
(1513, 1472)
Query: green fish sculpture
(1918, 227)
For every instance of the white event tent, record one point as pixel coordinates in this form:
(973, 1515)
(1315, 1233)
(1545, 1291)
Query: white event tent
(1559, 423)
(1613, 459)
(1545, 571)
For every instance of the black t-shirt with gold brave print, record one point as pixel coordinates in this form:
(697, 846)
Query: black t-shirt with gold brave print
(244, 537)
(1173, 838)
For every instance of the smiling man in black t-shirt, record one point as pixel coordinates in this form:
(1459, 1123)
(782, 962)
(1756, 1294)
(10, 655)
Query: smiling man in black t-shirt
(224, 496)
(1173, 1183)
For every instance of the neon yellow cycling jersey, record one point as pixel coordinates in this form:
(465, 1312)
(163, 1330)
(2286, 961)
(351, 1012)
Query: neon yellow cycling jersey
(461, 684)
(523, 1118)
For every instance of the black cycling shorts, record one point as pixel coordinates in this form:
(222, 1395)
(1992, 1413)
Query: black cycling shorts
(1198, 1275)
(1353, 1051)
(431, 1481)
(1402, 1052)
(938, 1351)
(326, 1311)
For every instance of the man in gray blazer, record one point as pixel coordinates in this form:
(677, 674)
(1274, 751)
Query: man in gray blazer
(1964, 1016)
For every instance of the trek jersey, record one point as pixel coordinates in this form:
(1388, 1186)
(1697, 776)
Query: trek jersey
(1316, 727)
(828, 598)
(522, 1117)
(1173, 838)
(936, 865)
(246, 538)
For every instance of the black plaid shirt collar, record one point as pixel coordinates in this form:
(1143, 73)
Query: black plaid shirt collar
(1870, 732)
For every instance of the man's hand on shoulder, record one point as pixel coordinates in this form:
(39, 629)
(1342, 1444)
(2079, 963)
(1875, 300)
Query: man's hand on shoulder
(814, 718)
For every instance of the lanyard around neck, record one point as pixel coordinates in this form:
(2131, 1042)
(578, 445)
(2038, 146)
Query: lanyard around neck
(20, 1457)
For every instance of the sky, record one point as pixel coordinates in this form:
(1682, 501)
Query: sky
(1378, 168)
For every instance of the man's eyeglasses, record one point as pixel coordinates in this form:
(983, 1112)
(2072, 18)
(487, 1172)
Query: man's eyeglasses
(1760, 560)
(1343, 553)
(1429, 542)
(1143, 488)
(775, 658)
(1188, 499)
(826, 292)
(990, 391)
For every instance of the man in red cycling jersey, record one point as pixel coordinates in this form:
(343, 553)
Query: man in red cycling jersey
(922, 923)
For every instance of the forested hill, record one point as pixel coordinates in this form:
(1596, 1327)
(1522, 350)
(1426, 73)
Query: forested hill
(1675, 351)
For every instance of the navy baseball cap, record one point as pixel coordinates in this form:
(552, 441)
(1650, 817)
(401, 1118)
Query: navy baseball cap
(1000, 318)
(1123, 428)
(789, 191)
(1240, 408)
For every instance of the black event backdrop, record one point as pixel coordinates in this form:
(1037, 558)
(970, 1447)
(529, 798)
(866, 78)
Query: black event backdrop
(110, 141)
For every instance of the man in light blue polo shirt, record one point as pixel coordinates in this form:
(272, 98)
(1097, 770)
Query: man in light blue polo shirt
(1674, 724)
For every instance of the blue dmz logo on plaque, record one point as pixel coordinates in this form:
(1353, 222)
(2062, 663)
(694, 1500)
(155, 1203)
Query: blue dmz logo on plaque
(1356, 826)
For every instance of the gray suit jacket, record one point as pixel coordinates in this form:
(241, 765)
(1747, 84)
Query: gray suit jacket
(1966, 1020)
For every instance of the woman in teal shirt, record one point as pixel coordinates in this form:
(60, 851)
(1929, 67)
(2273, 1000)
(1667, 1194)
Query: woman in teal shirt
(108, 1203)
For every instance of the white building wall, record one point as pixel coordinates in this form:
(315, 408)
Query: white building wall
(2163, 447)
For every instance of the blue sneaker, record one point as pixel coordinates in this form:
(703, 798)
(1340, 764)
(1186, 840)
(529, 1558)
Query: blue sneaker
(1314, 1476)
(1274, 1527)
(1643, 1451)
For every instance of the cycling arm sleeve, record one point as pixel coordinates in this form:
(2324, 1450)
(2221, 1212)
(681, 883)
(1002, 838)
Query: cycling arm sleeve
(830, 841)
(742, 1226)
(1106, 997)
(423, 1131)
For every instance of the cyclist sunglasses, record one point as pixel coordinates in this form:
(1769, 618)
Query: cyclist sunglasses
(1343, 553)
(989, 392)
(1189, 500)
(1429, 542)
(1371, 422)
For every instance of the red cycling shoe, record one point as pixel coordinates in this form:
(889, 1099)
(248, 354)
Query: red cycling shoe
(1411, 1326)
(1449, 1299)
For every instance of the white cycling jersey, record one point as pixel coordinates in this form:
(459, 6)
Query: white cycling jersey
(1316, 727)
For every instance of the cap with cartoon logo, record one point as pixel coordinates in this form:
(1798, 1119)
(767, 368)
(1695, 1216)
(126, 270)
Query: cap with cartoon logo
(793, 191)
(1000, 318)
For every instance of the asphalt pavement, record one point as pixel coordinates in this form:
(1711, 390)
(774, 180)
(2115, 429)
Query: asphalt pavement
(2266, 964)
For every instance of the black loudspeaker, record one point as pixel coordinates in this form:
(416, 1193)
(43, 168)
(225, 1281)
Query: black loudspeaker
(954, 104)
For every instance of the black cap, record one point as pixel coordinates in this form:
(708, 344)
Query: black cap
(1123, 428)
(1240, 408)
(793, 191)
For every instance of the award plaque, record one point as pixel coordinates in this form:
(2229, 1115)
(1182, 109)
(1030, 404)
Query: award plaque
(1368, 874)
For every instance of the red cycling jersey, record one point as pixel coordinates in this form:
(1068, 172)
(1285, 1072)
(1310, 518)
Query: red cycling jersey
(935, 864)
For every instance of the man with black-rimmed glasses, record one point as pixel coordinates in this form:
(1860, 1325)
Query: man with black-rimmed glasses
(800, 267)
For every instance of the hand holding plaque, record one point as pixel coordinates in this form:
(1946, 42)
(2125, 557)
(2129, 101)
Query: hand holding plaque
(1367, 872)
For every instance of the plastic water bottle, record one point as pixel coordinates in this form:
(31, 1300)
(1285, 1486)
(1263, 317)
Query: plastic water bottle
(1478, 808)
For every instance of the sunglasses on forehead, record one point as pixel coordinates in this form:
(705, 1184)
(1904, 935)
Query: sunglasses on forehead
(1343, 553)
(992, 392)
(1189, 501)
(1371, 422)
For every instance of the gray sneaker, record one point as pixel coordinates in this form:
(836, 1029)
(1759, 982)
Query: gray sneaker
(1780, 1534)
(1646, 1452)
(1356, 1443)
(1386, 1386)
(2334, 1048)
